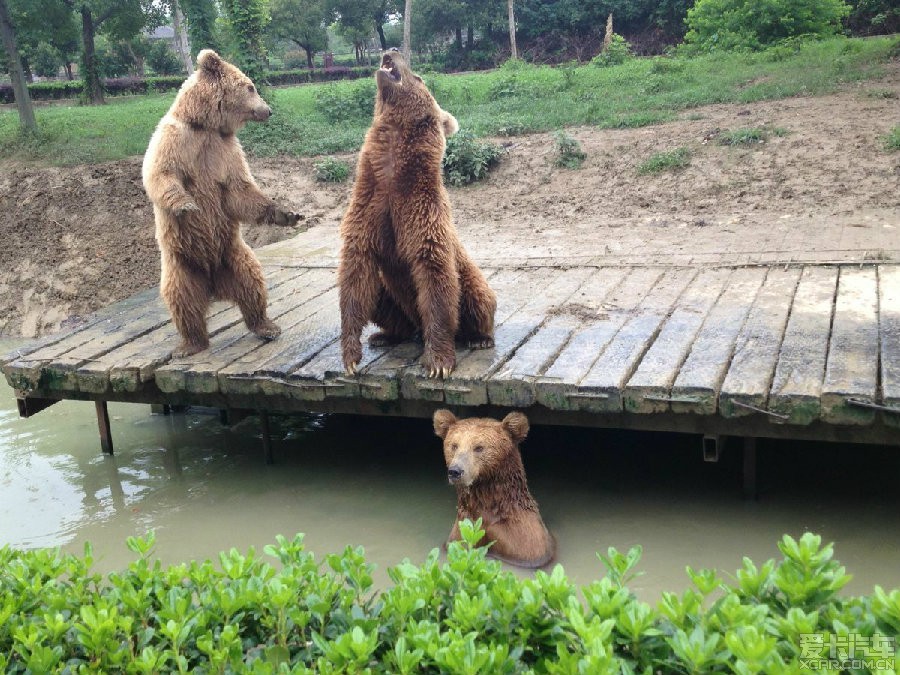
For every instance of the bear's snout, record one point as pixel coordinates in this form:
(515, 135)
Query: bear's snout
(262, 113)
(454, 473)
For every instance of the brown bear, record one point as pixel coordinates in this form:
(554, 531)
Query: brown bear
(484, 463)
(197, 177)
(402, 265)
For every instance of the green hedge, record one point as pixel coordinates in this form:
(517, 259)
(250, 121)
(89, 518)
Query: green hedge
(465, 614)
(56, 90)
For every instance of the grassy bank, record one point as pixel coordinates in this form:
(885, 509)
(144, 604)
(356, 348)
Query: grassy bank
(333, 117)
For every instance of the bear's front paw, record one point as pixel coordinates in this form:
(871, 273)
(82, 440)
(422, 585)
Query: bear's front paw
(438, 365)
(288, 218)
(186, 207)
(352, 354)
(188, 349)
(266, 331)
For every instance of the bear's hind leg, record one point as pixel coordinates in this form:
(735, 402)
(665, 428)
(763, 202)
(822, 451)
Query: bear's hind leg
(395, 325)
(476, 306)
(186, 293)
(241, 281)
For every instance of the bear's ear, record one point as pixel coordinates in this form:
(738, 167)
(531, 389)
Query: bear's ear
(448, 121)
(516, 425)
(209, 61)
(443, 420)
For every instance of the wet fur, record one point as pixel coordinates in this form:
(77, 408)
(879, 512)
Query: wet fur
(493, 487)
(402, 265)
(197, 177)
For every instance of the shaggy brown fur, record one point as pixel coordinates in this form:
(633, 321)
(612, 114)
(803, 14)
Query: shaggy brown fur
(402, 265)
(484, 463)
(197, 177)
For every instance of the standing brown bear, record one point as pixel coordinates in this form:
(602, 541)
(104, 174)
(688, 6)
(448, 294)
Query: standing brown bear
(484, 463)
(197, 177)
(402, 265)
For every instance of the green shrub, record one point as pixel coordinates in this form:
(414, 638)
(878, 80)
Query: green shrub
(463, 615)
(617, 53)
(468, 160)
(163, 59)
(754, 24)
(568, 151)
(345, 102)
(892, 140)
(666, 161)
(749, 136)
(332, 170)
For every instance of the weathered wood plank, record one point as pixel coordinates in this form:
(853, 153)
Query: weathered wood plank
(852, 368)
(324, 376)
(614, 367)
(236, 347)
(696, 388)
(510, 287)
(557, 388)
(133, 365)
(514, 384)
(749, 376)
(889, 334)
(467, 385)
(649, 388)
(797, 385)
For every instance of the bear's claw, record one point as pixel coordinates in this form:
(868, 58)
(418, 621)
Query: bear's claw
(188, 349)
(267, 331)
(351, 368)
(186, 207)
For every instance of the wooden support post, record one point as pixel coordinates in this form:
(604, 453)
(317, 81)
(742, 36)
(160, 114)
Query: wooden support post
(266, 435)
(32, 406)
(106, 443)
(749, 475)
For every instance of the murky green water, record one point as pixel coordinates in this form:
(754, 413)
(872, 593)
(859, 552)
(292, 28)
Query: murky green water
(380, 483)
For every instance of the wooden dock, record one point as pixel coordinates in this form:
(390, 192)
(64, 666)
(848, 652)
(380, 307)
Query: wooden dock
(803, 351)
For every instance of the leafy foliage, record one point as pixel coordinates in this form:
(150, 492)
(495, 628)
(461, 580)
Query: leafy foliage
(892, 140)
(332, 170)
(666, 161)
(248, 20)
(617, 53)
(163, 60)
(568, 151)
(754, 24)
(468, 160)
(463, 615)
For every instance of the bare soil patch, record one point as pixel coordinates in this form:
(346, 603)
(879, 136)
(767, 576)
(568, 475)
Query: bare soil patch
(77, 238)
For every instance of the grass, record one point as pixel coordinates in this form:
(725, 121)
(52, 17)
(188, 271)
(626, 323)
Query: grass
(666, 161)
(569, 154)
(892, 140)
(510, 100)
(332, 170)
(749, 136)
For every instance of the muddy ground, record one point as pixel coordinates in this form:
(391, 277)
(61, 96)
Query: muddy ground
(820, 188)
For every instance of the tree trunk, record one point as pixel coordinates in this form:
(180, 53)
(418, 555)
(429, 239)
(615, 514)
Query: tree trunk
(182, 46)
(607, 37)
(459, 42)
(16, 74)
(93, 88)
(470, 37)
(381, 38)
(512, 30)
(407, 31)
(309, 57)
(69, 75)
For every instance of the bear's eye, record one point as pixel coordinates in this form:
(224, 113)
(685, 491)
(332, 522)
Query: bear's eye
(479, 448)
(454, 447)
(251, 88)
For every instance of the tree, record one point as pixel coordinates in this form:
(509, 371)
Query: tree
(163, 60)
(182, 48)
(201, 18)
(407, 25)
(45, 22)
(248, 20)
(512, 30)
(122, 19)
(16, 72)
(303, 22)
(45, 60)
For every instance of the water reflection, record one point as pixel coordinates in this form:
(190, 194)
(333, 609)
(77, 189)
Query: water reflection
(380, 483)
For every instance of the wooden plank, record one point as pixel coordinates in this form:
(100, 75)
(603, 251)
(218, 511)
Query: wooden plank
(511, 287)
(557, 388)
(696, 388)
(749, 376)
(324, 375)
(614, 367)
(852, 368)
(797, 385)
(237, 347)
(649, 388)
(131, 366)
(514, 384)
(467, 385)
(889, 337)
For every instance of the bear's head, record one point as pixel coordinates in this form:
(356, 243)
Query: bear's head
(478, 449)
(400, 90)
(219, 97)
